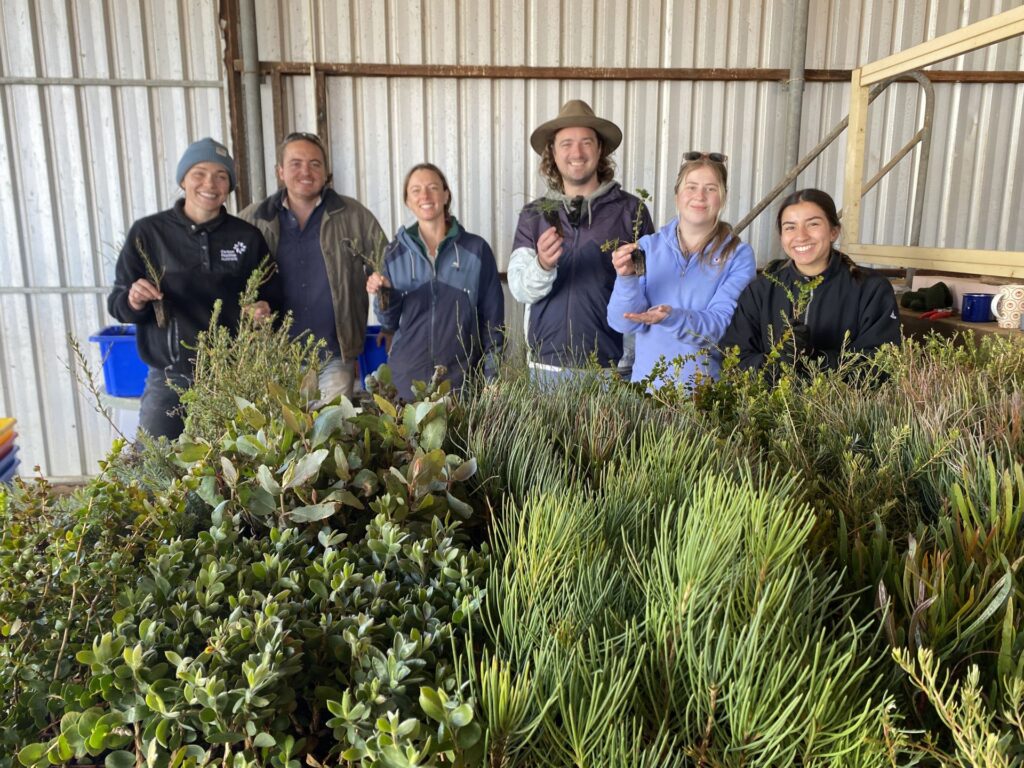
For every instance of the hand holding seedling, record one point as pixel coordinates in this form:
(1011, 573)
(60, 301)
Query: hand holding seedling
(375, 282)
(141, 293)
(549, 248)
(652, 316)
(258, 310)
(622, 259)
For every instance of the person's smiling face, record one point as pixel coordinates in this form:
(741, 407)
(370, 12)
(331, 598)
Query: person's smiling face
(303, 170)
(206, 187)
(807, 237)
(425, 195)
(699, 197)
(577, 152)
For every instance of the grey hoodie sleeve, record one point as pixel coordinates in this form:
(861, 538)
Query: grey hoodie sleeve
(527, 279)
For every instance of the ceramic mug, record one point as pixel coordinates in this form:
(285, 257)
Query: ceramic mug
(976, 308)
(1008, 306)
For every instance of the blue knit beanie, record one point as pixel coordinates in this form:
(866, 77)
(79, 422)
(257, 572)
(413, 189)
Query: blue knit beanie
(206, 151)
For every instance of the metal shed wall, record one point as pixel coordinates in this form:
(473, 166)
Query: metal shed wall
(99, 99)
(478, 129)
(100, 96)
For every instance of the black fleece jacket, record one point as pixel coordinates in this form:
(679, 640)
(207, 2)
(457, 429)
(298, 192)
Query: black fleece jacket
(845, 313)
(200, 263)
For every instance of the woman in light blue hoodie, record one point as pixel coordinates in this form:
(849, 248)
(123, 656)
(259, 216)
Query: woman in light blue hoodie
(695, 271)
(445, 305)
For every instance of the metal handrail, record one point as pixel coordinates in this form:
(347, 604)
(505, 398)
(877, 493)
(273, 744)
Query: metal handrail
(923, 137)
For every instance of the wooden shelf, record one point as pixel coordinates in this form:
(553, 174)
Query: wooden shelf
(915, 326)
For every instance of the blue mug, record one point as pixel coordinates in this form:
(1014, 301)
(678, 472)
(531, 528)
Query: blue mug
(977, 307)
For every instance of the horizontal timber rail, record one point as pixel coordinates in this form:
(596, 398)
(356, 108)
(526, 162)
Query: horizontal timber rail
(721, 74)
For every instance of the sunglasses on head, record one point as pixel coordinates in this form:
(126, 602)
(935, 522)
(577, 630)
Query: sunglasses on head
(302, 136)
(714, 157)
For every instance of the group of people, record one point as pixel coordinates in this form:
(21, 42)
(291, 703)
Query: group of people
(586, 261)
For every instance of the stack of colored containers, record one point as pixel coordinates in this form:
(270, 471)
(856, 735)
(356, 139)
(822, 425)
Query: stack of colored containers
(8, 451)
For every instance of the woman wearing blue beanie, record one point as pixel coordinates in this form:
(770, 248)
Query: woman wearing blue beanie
(174, 266)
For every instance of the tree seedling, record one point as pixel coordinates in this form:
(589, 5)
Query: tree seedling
(548, 209)
(638, 256)
(373, 261)
(154, 276)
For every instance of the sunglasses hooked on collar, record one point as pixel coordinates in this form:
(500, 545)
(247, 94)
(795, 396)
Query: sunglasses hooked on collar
(714, 157)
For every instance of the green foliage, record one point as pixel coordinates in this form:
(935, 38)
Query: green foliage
(676, 624)
(910, 463)
(638, 221)
(315, 614)
(63, 564)
(979, 741)
(707, 576)
(241, 362)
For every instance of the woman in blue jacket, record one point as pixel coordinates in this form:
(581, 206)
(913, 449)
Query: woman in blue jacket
(695, 271)
(444, 303)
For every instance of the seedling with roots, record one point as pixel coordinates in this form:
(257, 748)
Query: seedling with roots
(373, 262)
(154, 276)
(638, 256)
(549, 208)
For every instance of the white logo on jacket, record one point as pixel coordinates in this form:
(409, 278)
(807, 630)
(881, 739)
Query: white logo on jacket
(232, 255)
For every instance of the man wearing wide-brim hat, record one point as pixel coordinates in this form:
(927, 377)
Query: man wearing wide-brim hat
(557, 266)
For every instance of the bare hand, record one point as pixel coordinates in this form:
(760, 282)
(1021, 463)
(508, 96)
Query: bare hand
(258, 310)
(141, 293)
(622, 259)
(549, 249)
(375, 282)
(652, 316)
(384, 339)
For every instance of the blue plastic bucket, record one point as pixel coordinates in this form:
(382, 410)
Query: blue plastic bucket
(124, 374)
(373, 356)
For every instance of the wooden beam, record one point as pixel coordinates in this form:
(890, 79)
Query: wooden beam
(854, 175)
(321, 109)
(966, 261)
(277, 101)
(236, 113)
(994, 29)
(716, 74)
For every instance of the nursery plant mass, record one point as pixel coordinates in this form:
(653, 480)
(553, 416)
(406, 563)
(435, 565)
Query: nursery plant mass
(816, 569)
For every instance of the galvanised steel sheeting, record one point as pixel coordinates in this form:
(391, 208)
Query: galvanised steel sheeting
(477, 130)
(79, 161)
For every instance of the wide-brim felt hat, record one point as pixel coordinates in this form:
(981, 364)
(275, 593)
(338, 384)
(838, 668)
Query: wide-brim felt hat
(577, 114)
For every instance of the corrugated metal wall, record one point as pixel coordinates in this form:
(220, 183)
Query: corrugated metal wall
(100, 96)
(477, 130)
(99, 99)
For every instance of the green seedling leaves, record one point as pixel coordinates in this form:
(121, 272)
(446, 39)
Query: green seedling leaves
(313, 512)
(305, 469)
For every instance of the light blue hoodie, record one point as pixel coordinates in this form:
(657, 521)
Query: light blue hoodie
(702, 294)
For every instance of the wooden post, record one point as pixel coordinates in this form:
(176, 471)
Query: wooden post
(855, 133)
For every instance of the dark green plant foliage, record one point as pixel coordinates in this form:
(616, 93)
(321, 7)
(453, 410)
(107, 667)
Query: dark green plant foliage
(63, 563)
(709, 577)
(325, 593)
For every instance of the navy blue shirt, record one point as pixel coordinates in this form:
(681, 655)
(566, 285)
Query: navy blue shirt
(305, 287)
